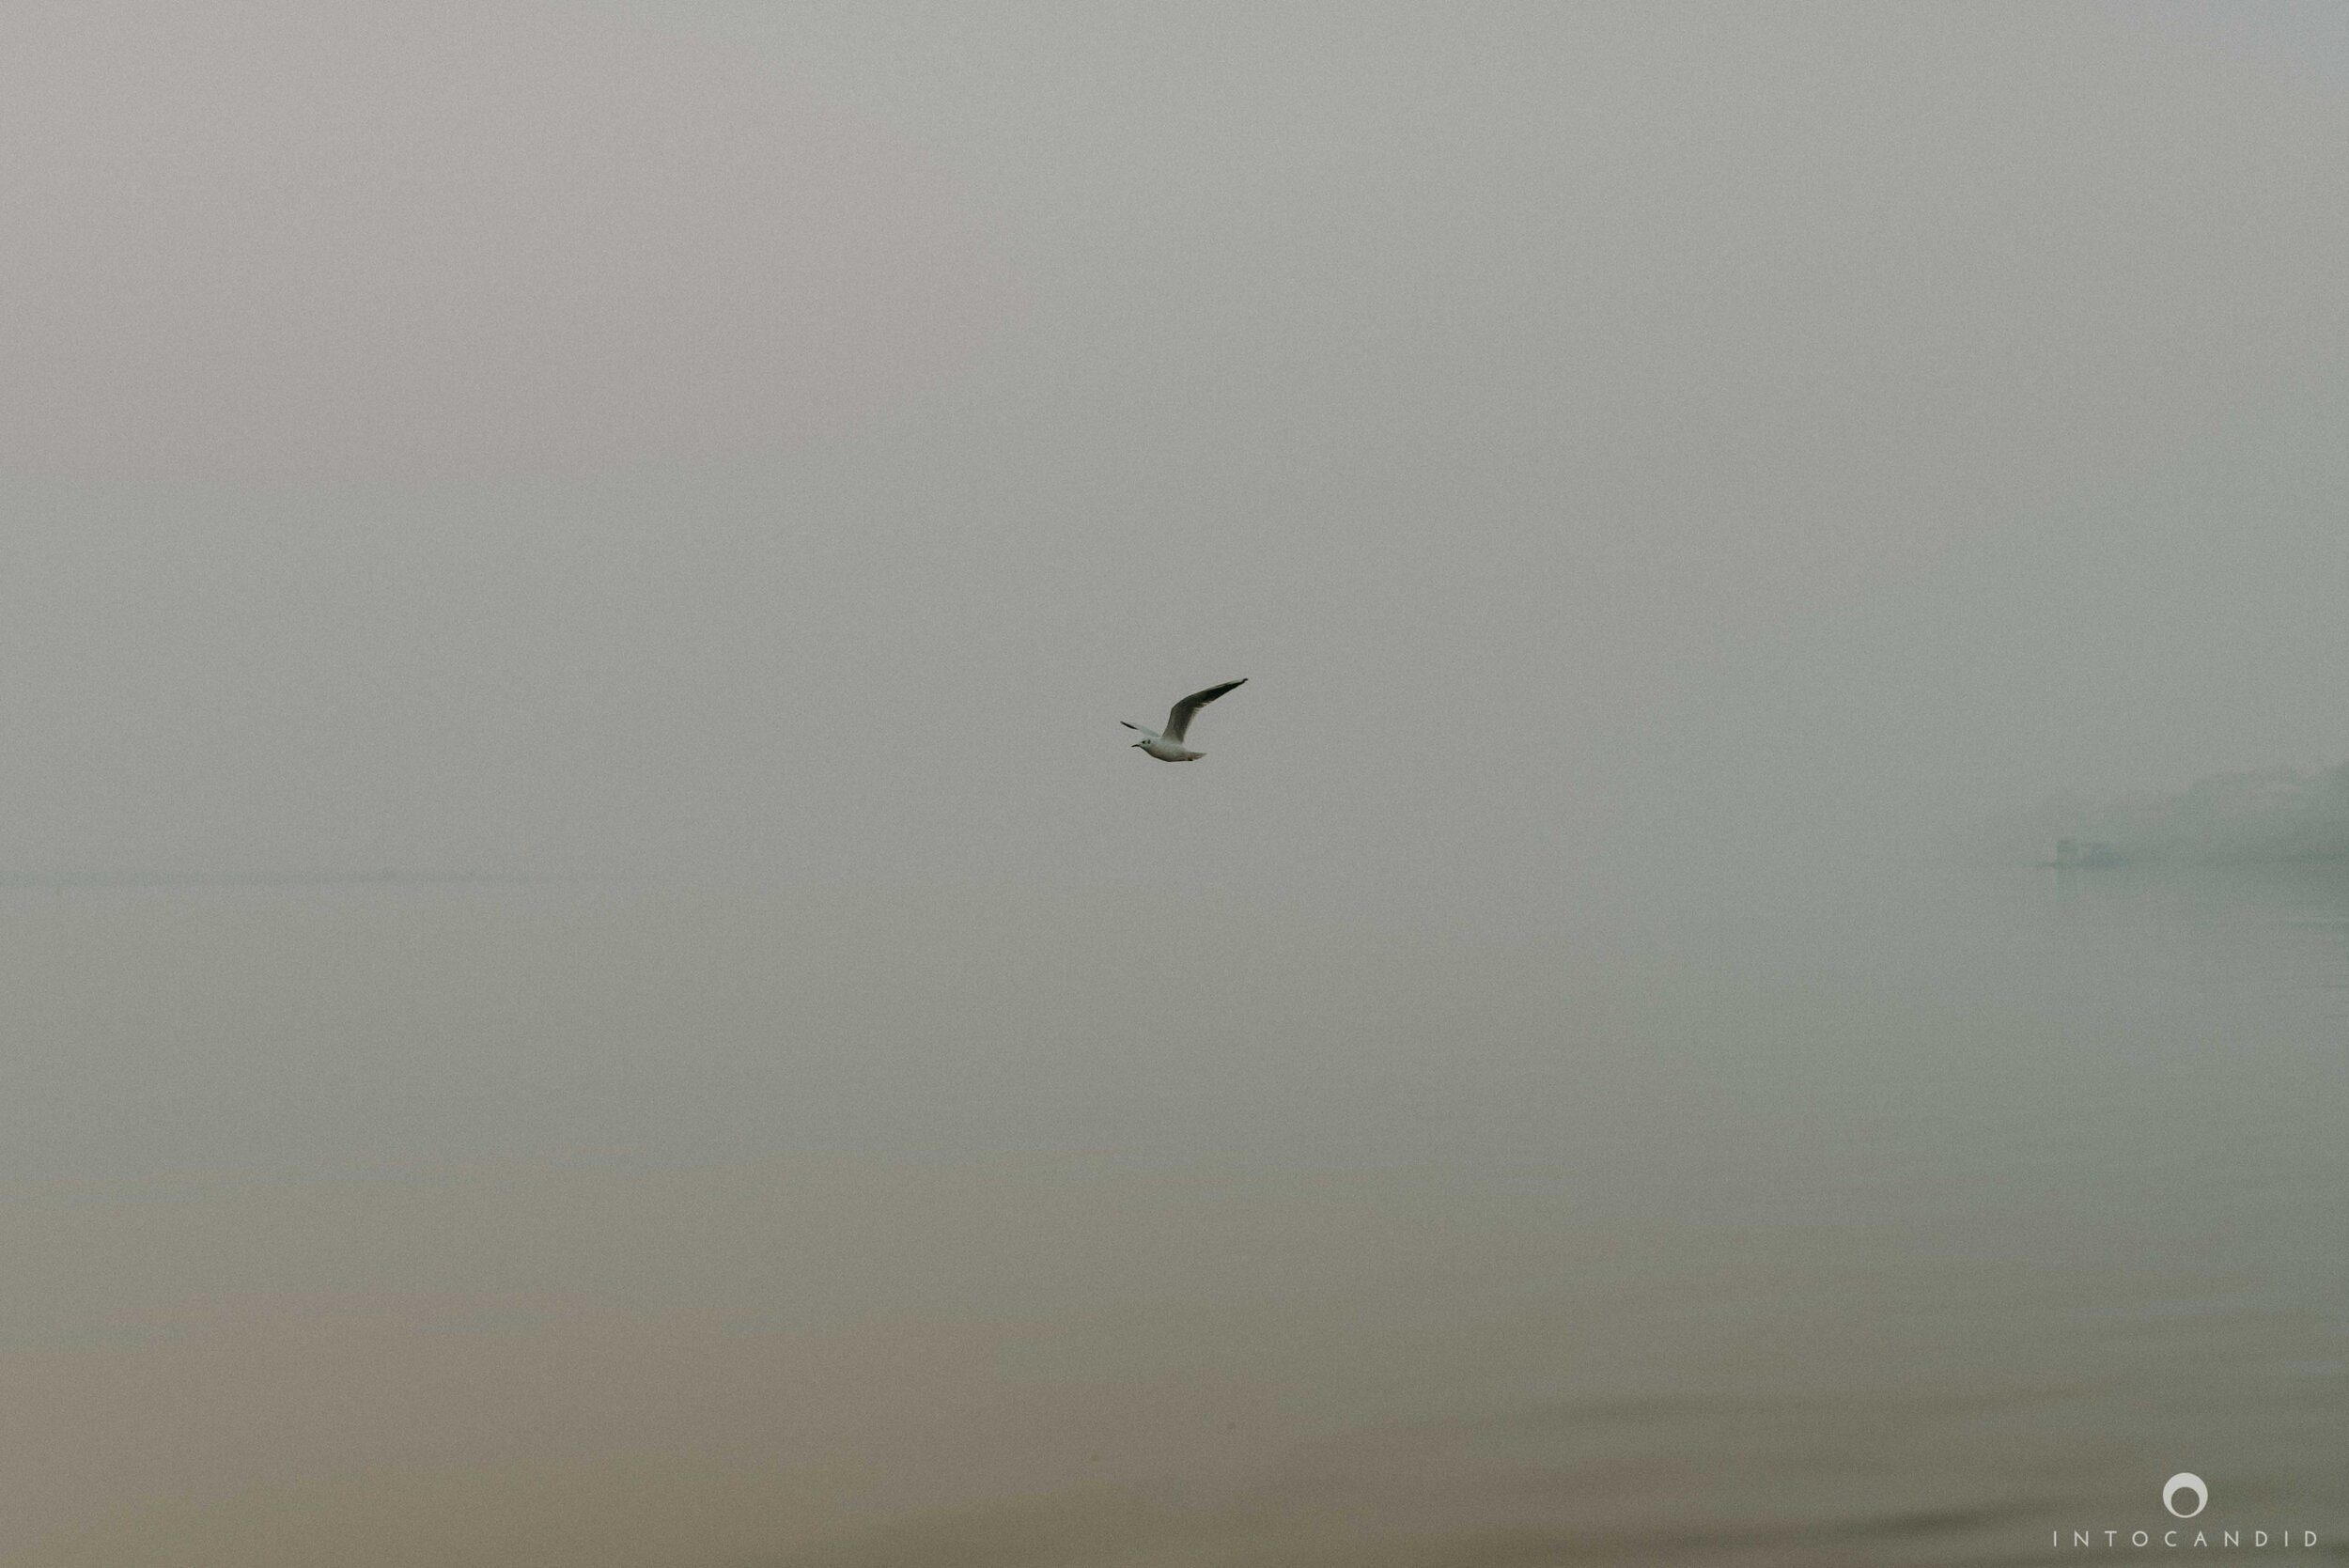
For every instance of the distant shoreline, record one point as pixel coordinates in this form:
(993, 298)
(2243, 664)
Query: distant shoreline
(2270, 816)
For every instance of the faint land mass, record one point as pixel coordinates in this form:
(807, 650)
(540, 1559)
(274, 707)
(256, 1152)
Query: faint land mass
(2271, 815)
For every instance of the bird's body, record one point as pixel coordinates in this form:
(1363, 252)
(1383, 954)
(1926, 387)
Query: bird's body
(1169, 746)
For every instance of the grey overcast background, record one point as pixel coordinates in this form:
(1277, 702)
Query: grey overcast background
(784, 441)
(1546, 1088)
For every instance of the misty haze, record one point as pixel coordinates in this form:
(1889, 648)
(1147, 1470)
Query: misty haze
(1757, 974)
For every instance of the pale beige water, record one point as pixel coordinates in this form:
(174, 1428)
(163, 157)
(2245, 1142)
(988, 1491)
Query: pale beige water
(1904, 1221)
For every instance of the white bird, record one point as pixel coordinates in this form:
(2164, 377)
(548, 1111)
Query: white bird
(1169, 746)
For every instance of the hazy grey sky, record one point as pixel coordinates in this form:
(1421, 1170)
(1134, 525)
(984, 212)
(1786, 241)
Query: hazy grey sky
(787, 439)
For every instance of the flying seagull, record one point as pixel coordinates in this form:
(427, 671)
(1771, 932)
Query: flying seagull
(1169, 746)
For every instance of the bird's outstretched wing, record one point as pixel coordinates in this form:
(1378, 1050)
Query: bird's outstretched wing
(1179, 719)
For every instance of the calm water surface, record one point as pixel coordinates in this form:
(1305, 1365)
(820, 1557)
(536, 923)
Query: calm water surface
(1927, 1216)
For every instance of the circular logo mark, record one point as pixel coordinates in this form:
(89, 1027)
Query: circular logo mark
(2185, 1480)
